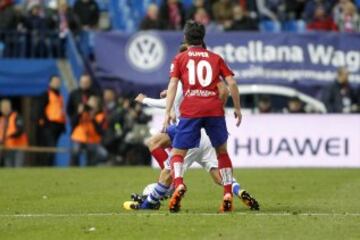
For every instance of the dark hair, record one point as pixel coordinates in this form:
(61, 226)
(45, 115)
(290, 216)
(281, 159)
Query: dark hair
(265, 98)
(194, 33)
(54, 76)
(295, 99)
(183, 47)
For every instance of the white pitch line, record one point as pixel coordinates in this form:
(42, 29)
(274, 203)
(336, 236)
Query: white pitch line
(281, 214)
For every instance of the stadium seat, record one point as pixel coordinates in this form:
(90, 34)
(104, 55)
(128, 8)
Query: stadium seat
(301, 26)
(293, 26)
(270, 26)
(289, 26)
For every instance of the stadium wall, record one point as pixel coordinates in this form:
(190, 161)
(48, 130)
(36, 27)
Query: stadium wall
(276, 140)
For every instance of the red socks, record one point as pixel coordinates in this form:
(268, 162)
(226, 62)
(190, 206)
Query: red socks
(177, 162)
(225, 170)
(160, 156)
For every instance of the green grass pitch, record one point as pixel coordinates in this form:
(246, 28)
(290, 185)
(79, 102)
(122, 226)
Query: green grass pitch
(87, 204)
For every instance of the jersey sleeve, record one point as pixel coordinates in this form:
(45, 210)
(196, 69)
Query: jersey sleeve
(225, 71)
(156, 103)
(175, 68)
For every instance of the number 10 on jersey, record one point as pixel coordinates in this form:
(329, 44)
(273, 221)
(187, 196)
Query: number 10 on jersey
(196, 71)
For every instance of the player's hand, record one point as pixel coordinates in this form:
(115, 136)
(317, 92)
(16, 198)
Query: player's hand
(167, 122)
(140, 98)
(173, 117)
(163, 93)
(238, 116)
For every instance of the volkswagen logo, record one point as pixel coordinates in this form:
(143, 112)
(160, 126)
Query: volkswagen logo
(145, 52)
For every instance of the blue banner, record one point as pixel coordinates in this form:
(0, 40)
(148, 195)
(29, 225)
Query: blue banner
(18, 77)
(285, 58)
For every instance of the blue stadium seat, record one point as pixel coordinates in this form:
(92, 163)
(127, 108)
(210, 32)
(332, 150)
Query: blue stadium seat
(301, 26)
(289, 26)
(269, 26)
(294, 26)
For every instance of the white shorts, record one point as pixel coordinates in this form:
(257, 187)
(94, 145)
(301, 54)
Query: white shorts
(204, 155)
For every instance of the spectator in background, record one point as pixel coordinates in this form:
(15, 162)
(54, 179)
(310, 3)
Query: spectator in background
(311, 6)
(223, 12)
(65, 20)
(295, 8)
(338, 9)
(116, 125)
(36, 20)
(271, 9)
(37, 24)
(89, 126)
(202, 16)
(198, 4)
(295, 106)
(152, 19)
(264, 104)
(349, 20)
(136, 152)
(8, 17)
(172, 12)
(321, 22)
(12, 135)
(340, 97)
(250, 7)
(87, 12)
(52, 118)
(241, 22)
(80, 96)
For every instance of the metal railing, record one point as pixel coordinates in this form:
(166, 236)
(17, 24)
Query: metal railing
(32, 44)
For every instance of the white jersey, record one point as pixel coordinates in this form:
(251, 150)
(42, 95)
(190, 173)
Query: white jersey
(161, 103)
(205, 155)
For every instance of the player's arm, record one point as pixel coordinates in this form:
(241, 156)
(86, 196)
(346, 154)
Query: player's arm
(223, 92)
(170, 98)
(227, 74)
(235, 95)
(151, 102)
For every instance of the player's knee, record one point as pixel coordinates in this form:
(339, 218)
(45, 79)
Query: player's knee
(221, 149)
(152, 143)
(180, 152)
(158, 141)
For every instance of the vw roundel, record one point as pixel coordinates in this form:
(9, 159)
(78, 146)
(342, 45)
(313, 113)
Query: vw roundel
(145, 52)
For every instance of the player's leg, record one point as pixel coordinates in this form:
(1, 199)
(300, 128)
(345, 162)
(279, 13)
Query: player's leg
(187, 137)
(215, 128)
(226, 173)
(241, 193)
(152, 200)
(209, 163)
(208, 160)
(162, 187)
(157, 145)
